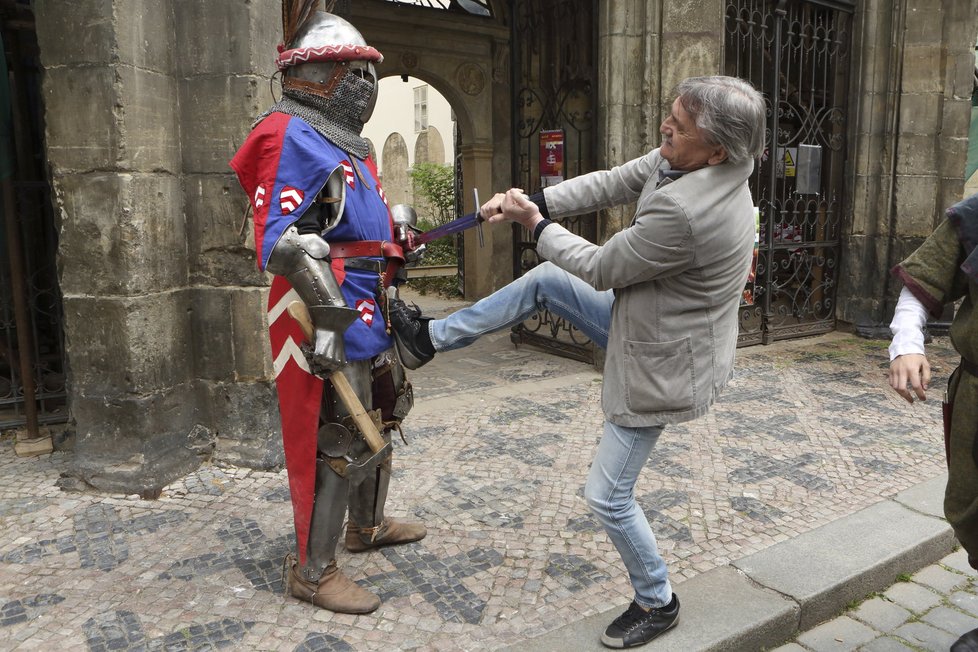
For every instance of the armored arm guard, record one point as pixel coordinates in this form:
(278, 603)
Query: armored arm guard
(304, 261)
(405, 228)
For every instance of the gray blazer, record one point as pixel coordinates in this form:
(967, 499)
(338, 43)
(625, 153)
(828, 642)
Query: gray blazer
(677, 272)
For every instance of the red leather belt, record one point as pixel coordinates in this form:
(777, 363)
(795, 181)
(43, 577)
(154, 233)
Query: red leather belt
(366, 249)
(372, 249)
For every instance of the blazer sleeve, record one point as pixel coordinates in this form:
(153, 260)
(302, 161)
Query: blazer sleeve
(602, 189)
(659, 243)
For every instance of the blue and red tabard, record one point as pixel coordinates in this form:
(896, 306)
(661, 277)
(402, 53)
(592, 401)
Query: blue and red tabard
(282, 166)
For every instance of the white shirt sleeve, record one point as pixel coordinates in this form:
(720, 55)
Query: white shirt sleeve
(907, 326)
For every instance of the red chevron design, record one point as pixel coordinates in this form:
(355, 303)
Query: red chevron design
(290, 198)
(366, 308)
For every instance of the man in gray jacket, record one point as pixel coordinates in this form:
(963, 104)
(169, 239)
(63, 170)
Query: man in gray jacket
(661, 296)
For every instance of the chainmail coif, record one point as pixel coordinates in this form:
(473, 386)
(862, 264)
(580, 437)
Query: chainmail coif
(336, 118)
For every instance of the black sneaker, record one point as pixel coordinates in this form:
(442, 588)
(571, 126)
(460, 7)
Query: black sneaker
(637, 626)
(410, 334)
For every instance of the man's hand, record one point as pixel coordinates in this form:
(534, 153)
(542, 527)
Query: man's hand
(910, 369)
(513, 206)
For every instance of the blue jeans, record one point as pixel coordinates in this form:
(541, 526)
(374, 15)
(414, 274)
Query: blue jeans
(622, 453)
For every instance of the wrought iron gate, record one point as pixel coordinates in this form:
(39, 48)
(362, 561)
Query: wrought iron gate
(797, 52)
(554, 65)
(32, 369)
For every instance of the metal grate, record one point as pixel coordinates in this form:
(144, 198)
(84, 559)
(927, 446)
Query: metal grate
(32, 367)
(554, 82)
(797, 53)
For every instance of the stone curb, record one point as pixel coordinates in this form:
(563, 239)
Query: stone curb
(768, 598)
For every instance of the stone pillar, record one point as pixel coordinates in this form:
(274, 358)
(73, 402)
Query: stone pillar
(162, 302)
(113, 138)
(225, 56)
(912, 77)
(645, 48)
(489, 266)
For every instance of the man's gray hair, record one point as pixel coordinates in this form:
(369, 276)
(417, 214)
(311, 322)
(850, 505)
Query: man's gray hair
(730, 112)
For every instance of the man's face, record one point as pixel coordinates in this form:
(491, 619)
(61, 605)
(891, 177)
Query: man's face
(683, 144)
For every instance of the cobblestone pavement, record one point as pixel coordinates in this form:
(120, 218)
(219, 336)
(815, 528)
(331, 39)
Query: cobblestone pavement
(499, 444)
(928, 610)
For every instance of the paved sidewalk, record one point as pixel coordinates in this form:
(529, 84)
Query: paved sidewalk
(927, 610)
(808, 452)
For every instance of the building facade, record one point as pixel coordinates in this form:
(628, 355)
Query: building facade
(165, 350)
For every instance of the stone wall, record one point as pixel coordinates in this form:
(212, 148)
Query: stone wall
(646, 47)
(912, 83)
(162, 302)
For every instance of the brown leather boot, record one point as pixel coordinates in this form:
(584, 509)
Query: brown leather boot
(390, 532)
(334, 591)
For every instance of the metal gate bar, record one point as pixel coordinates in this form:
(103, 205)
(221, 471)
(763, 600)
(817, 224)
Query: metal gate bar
(797, 53)
(32, 378)
(554, 57)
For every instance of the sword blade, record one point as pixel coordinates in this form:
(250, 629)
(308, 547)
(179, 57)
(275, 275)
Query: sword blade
(449, 228)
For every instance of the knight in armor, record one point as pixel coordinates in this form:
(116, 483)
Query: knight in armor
(324, 229)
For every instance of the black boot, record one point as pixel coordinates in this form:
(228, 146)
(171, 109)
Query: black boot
(410, 334)
(967, 643)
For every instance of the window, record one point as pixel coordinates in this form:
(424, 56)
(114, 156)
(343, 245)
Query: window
(420, 108)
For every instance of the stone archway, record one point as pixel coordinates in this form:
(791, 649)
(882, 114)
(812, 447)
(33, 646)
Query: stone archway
(470, 68)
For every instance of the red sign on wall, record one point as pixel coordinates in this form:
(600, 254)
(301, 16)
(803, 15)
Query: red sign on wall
(551, 157)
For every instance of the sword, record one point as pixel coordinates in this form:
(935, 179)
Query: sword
(455, 226)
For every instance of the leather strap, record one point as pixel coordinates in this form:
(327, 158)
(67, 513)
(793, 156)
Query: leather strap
(367, 264)
(366, 249)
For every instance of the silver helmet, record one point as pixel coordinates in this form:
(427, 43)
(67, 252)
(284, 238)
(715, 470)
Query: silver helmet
(324, 54)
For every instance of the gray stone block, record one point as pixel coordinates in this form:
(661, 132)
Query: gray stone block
(81, 140)
(838, 634)
(885, 644)
(252, 351)
(136, 444)
(54, 19)
(951, 621)
(918, 154)
(230, 105)
(925, 28)
(965, 601)
(212, 334)
(916, 205)
(926, 497)
(823, 571)
(958, 560)
(920, 112)
(220, 241)
(215, 37)
(149, 116)
(922, 635)
(920, 61)
(629, 18)
(954, 154)
(131, 224)
(679, 16)
(940, 579)
(914, 597)
(690, 55)
(880, 614)
(145, 34)
(128, 346)
(956, 119)
(248, 420)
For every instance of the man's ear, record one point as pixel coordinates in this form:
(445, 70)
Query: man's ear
(718, 156)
